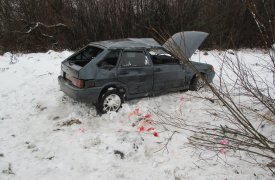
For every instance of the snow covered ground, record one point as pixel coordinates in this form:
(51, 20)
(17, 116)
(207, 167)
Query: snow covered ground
(46, 135)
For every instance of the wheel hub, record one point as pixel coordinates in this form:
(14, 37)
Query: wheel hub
(200, 83)
(112, 103)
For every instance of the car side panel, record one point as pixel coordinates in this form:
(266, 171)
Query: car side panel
(91, 70)
(138, 79)
(105, 76)
(168, 77)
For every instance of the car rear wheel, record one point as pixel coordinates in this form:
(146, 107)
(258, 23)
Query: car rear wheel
(110, 101)
(196, 84)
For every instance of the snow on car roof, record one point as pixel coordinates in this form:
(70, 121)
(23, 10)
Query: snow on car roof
(128, 43)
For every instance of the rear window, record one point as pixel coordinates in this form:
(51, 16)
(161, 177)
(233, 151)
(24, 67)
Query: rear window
(84, 56)
(87, 53)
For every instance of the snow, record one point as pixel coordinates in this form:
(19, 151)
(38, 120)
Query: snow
(35, 143)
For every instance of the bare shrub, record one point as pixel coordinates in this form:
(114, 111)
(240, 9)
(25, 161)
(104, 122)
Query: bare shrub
(246, 105)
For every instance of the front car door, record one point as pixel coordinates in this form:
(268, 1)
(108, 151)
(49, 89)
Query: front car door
(136, 71)
(169, 74)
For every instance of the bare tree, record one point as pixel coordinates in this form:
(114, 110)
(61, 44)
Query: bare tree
(228, 21)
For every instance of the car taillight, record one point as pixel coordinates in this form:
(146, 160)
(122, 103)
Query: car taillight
(78, 83)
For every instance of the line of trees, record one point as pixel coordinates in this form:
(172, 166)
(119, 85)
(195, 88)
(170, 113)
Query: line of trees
(38, 25)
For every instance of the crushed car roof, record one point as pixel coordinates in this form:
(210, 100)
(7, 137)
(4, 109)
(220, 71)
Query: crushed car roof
(128, 43)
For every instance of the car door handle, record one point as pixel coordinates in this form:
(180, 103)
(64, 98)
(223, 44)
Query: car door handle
(157, 70)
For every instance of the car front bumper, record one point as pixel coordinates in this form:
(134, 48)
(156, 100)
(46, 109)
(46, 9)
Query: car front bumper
(210, 76)
(89, 95)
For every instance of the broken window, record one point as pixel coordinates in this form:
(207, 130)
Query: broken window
(110, 60)
(85, 56)
(134, 59)
(161, 57)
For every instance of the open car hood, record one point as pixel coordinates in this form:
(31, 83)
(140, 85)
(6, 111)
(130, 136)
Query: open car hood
(188, 42)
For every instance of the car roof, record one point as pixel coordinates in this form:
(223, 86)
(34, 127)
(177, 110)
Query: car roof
(128, 43)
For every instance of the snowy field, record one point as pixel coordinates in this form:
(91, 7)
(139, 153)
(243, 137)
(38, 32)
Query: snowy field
(46, 135)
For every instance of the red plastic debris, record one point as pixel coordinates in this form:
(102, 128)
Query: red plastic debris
(150, 129)
(135, 112)
(149, 121)
(224, 142)
(155, 134)
(147, 116)
(82, 130)
(222, 151)
(141, 129)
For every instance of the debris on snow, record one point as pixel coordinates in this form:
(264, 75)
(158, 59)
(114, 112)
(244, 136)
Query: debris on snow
(40, 107)
(71, 122)
(50, 158)
(8, 171)
(119, 154)
(56, 118)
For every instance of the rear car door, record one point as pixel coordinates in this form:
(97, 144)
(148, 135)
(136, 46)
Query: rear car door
(136, 71)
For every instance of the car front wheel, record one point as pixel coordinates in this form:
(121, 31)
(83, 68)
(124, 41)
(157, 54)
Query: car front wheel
(110, 101)
(196, 84)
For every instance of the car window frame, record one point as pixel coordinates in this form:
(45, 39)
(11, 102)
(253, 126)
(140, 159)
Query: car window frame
(135, 50)
(70, 58)
(109, 51)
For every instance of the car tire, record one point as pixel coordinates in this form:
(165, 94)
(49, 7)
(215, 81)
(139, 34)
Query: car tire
(111, 100)
(196, 84)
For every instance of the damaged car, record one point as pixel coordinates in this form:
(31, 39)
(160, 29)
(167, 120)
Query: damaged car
(107, 73)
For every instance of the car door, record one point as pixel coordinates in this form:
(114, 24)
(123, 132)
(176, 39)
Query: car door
(136, 71)
(168, 72)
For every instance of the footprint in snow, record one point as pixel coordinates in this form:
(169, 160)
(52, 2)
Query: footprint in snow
(31, 146)
(40, 107)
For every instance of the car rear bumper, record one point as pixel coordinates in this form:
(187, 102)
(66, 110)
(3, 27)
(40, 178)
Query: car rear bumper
(89, 95)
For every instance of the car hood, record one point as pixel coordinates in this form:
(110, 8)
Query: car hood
(188, 42)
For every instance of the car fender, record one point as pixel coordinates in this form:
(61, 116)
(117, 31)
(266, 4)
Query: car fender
(120, 86)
